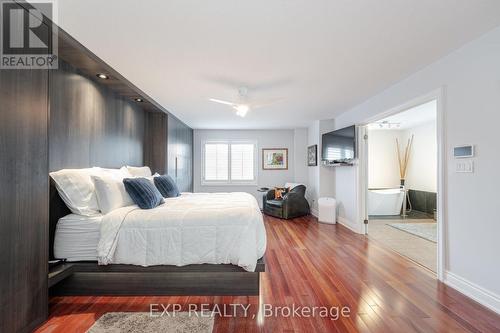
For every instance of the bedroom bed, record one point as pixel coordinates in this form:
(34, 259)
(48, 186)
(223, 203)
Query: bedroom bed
(193, 244)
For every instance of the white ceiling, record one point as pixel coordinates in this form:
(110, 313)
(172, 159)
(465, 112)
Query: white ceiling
(410, 118)
(322, 57)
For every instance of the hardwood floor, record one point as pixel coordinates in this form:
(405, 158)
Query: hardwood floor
(313, 264)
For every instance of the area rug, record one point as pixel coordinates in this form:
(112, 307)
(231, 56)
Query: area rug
(423, 230)
(132, 322)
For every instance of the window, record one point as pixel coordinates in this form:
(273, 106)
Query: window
(216, 162)
(228, 163)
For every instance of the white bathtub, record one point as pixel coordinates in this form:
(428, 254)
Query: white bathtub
(385, 202)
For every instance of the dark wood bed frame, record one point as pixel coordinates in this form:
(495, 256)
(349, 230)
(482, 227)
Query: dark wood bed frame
(89, 278)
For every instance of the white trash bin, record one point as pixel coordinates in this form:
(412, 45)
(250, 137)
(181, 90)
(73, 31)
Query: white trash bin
(327, 210)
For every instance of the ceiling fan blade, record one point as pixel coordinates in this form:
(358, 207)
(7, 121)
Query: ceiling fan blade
(221, 101)
(262, 104)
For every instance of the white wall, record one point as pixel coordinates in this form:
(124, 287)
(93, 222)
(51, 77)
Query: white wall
(300, 156)
(470, 77)
(325, 187)
(383, 167)
(313, 138)
(422, 168)
(294, 140)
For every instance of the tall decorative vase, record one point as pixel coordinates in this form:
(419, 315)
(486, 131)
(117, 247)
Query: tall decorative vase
(403, 166)
(403, 188)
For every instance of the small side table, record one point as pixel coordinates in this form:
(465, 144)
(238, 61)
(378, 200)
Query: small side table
(59, 272)
(264, 191)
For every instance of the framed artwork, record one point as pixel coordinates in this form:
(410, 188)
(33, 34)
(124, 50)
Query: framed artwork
(312, 155)
(275, 158)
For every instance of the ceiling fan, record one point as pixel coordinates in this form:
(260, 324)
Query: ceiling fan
(243, 106)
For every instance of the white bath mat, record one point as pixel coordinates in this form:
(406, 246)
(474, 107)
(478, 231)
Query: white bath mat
(423, 230)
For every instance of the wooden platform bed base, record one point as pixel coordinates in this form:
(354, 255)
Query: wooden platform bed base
(88, 278)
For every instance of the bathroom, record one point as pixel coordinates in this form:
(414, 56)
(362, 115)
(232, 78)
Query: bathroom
(402, 183)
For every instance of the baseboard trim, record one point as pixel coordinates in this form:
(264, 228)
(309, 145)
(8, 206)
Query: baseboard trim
(348, 224)
(473, 291)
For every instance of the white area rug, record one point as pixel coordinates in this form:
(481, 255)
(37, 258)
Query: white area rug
(423, 230)
(131, 322)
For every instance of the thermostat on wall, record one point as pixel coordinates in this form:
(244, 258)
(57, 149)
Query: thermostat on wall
(463, 151)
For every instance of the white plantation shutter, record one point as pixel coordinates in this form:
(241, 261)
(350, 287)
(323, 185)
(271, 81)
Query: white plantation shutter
(229, 162)
(216, 162)
(242, 161)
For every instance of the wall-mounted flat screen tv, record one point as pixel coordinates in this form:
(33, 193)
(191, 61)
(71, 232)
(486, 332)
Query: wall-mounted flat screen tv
(339, 146)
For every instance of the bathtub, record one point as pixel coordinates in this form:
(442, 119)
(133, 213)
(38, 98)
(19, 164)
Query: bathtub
(385, 202)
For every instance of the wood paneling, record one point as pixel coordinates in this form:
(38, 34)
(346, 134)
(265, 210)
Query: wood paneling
(24, 199)
(180, 154)
(50, 120)
(169, 149)
(90, 125)
(155, 143)
(313, 264)
(203, 279)
(146, 283)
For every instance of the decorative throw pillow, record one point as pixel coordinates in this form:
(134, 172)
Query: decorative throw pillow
(167, 186)
(279, 192)
(143, 192)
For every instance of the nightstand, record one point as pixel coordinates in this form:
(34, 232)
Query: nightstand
(59, 272)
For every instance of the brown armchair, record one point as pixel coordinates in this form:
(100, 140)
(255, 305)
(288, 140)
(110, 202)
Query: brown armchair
(293, 204)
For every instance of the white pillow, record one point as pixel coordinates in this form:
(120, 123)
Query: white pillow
(77, 190)
(111, 193)
(117, 173)
(139, 171)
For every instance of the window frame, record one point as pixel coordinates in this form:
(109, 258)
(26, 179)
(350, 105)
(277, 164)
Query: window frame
(230, 181)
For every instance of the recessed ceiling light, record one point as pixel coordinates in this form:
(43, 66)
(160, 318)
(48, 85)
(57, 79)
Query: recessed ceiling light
(102, 76)
(139, 100)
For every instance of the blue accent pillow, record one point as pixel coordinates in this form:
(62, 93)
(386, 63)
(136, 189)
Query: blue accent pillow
(143, 192)
(167, 186)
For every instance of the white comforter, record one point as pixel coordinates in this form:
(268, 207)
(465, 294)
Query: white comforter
(195, 228)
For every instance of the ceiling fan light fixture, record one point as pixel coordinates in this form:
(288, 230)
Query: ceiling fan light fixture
(242, 110)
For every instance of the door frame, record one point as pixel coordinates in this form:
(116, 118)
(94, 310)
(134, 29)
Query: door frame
(439, 96)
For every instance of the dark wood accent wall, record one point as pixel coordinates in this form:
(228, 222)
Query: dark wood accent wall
(180, 154)
(49, 120)
(155, 148)
(24, 201)
(169, 149)
(90, 125)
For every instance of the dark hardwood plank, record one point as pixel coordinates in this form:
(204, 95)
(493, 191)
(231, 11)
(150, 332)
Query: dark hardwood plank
(312, 264)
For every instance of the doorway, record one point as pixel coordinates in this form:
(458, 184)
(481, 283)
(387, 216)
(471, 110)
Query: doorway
(405, 143)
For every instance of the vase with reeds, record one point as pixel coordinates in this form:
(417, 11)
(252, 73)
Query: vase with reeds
(403, 167)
